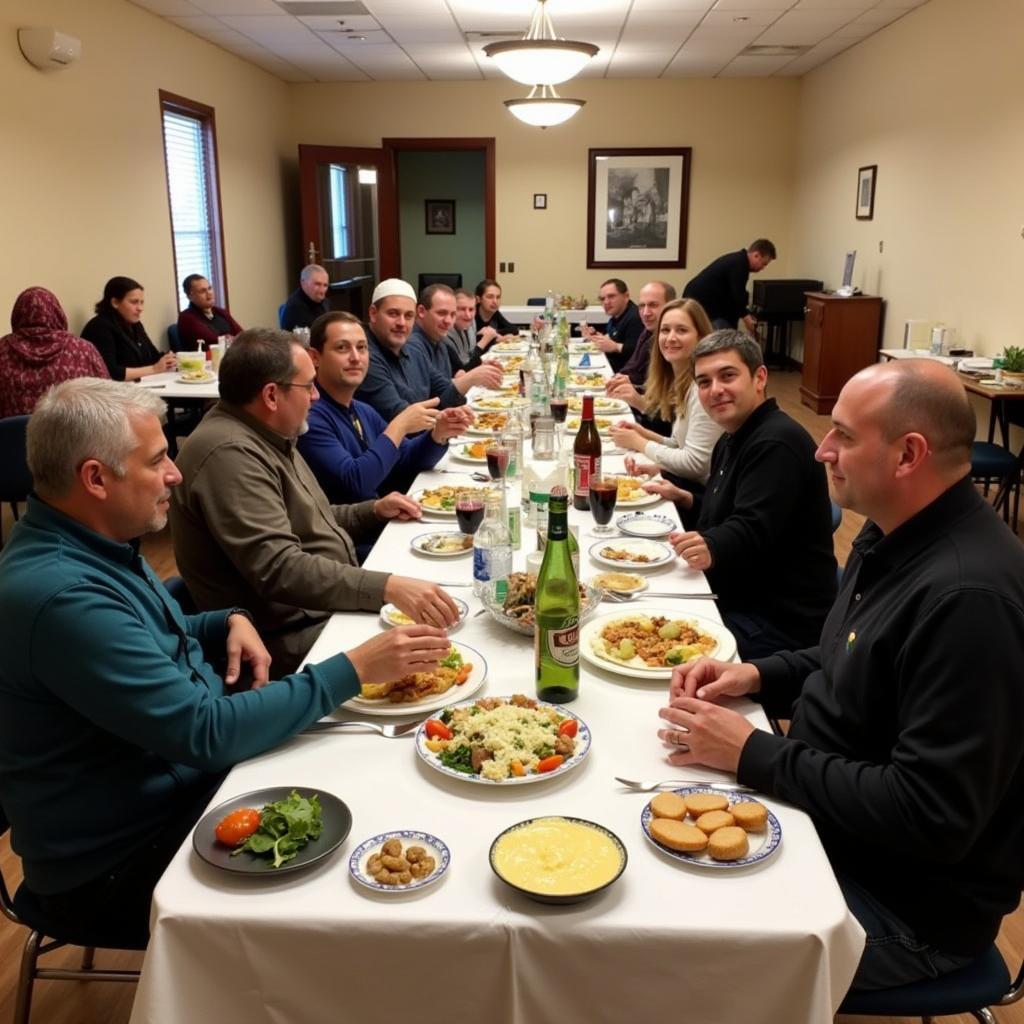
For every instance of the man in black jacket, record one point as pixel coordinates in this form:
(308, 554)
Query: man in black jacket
(904, 745)
(764, 535)
(624, 325)
(721, 287)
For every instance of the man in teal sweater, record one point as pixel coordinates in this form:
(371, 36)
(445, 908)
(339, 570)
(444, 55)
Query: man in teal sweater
(115, 726)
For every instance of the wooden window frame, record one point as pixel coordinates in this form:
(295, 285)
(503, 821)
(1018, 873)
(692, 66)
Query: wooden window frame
(172, 103)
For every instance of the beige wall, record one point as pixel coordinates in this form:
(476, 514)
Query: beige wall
(83, 193)
(743, 134)
(935, 101)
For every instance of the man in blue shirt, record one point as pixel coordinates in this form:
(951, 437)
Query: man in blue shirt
(400, 374)
(435, 315)
(354, 452)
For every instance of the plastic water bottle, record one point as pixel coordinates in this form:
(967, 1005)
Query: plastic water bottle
(492, 551)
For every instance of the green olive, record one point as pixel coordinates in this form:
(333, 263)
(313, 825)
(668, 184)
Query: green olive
(627, 649)
(670, 631)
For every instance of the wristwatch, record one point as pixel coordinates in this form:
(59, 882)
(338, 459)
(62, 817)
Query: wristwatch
(244, 612)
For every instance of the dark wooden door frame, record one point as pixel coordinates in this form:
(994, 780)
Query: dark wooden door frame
(394, 146)
(387, 207)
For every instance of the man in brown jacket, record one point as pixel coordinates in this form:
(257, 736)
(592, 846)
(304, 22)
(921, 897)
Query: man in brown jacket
(251, 525)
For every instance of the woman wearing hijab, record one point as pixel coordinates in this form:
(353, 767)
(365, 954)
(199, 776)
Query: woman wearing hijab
(117, 332)
(40, 352)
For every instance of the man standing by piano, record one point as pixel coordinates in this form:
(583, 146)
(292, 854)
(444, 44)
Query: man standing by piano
(721, 287)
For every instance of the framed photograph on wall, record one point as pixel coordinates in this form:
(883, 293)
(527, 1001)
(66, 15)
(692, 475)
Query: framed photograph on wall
(866, 178)
(540, 200)
(440, 214)
(637, 207)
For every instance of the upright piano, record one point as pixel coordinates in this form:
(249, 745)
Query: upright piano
(778, 302)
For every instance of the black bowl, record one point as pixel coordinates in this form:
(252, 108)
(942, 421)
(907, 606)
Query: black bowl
(575, 897)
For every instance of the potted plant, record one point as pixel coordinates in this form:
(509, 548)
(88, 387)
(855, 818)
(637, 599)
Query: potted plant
(1013, 362)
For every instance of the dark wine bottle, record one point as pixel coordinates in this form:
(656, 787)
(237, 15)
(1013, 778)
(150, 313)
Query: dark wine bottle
(586, 455)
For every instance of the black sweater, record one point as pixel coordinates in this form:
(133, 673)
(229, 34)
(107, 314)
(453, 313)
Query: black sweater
(119, 343)
(767, 521)
(721, 287)
(905, 744)
(626, 329)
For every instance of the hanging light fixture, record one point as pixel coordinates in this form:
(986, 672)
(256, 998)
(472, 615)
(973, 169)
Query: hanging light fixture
(540, 57)
(544, 108)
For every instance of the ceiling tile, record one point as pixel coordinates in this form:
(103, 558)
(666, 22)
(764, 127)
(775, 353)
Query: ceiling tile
(777, 6)
(805, 28)
(327, 23)
(169, 8)
(854, 7)
(753, 67)
(681, 6)
(251, 7)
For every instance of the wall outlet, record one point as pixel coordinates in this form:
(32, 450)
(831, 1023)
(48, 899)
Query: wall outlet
(501, 268)
(511, 268)
(881, 246)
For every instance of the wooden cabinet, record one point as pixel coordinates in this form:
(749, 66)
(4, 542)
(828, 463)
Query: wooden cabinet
(841, 336)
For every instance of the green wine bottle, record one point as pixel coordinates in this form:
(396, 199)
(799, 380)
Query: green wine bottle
(556, 645)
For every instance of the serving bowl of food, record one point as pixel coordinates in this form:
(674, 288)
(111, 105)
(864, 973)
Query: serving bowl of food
(516, 612)
(558, 859)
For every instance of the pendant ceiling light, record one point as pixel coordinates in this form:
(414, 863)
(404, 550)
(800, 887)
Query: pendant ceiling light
(544, 108)
(540, 57)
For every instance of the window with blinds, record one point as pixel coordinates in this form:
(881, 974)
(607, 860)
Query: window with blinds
(190, 157)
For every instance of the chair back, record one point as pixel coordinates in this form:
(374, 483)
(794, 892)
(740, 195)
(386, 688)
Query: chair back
(837, 516)
(536, 300)
(280, 315)
(15, 479)
(452, 280)
(6, 903)
(174, 338)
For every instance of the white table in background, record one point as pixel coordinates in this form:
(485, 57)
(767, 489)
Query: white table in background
(770, 943)
(170, 385)
(524, 314)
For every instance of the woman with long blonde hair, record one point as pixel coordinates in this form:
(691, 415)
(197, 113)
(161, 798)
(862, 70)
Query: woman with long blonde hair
(685, 457)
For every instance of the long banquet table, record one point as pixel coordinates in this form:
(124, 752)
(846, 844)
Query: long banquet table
(771, 942)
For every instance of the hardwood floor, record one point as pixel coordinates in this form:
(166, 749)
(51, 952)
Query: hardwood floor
(77, 1002)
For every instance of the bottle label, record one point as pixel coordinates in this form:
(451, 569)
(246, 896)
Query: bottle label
(586, 467)
(492, 563)
(515, 526)
(563, 644)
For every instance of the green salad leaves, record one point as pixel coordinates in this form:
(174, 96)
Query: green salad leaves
(452, 659)
(285, 828)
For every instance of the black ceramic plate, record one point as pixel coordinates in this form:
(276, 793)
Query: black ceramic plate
(574, 897)
(337, 821)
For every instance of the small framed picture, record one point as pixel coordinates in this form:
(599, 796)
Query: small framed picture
(540, 200)
(866, 178)
(440, 215)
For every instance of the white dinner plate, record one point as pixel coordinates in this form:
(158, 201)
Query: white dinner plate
(477, 431)
(421, 538)
(461, 454)
(725, 650)
(389, 614)
(447, 513)
(762, 844)
(647, 499)
(658, 553)
(207, 378)
(408, 837)
(596, 384)
(646, 524)
(603, 406)
(583, 740)
(498, 403)
(510, 348)
(641, 583)
(459, 692)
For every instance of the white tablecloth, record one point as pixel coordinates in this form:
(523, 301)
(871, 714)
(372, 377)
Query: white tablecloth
(771, 943)
(170, 385)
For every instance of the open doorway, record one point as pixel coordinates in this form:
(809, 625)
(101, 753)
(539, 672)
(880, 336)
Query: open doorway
(445, 209)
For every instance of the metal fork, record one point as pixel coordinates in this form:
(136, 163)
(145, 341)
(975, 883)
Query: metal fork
(390, 731)
(647, 786)
(623, 597)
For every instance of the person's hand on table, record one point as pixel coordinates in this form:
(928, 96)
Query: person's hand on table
(397, 506)
(614, 381)
(709, 679)
(167, 362)
(537, 323)
(707, 733)
(690, 546)
(486, 375)
(625, 392)
(244, 644)
(399, 652)
(422, 601)
(450, 423)
(635, 467)
(484, 337)
(627, 435)
(670, 492)
(605, 344)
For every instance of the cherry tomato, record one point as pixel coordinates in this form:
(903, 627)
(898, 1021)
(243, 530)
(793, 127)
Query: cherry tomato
(437, 730)
(237, 826)
(549, 764)
(569, 728)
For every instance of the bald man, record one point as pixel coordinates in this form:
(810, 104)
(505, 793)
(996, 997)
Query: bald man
(905, 743)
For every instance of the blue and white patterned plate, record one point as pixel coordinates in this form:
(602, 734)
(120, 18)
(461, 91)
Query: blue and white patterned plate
(646, 524)
(582, 749)
(409, 837)
(762, 844)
